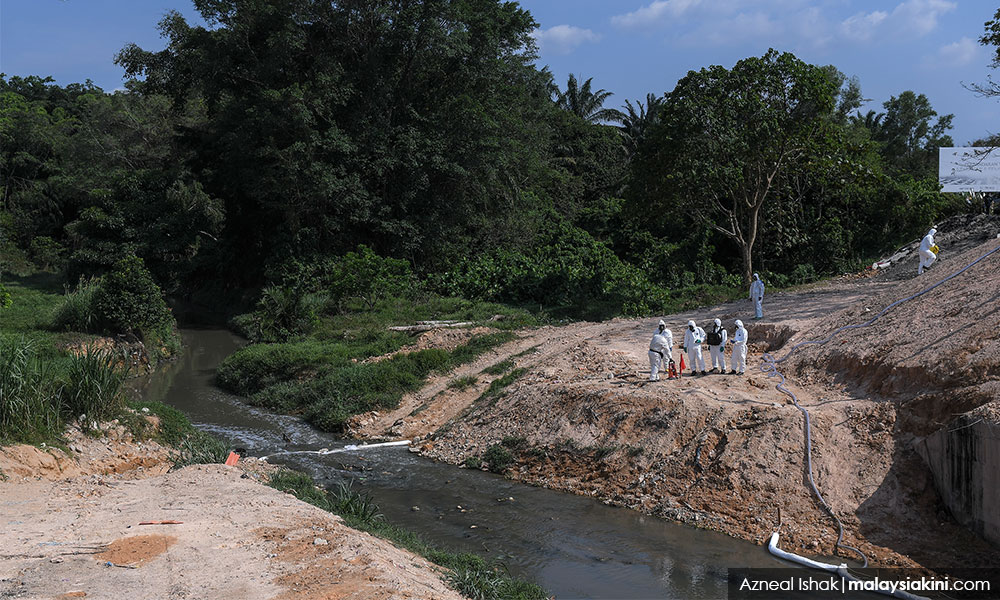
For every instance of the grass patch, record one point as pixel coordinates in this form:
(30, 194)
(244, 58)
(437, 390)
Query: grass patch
(634, 451)
(500, 368)
(603, 451)
(469, 574)
(497, 385)
(327, 384)
(193, 445)
(461, 383)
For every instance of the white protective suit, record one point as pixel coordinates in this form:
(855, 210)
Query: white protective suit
(718, 353)
(693, 338)
(659, 351)
(738, 362)
(926, 256)
(757, 295)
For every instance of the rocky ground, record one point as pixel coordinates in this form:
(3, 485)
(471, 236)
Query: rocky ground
(71, 527)
(727, 452)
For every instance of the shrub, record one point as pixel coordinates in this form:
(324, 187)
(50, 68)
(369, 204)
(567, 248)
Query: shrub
(46, 252)
(129, 301)
(498, 457)
(369, 277)
(283, 313)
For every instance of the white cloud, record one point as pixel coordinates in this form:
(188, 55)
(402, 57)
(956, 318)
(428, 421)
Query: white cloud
(563, 39)
(653, 13)
(863, 25)
(920, 16)
(959, 53)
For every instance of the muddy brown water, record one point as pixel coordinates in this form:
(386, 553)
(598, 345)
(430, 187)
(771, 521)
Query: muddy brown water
(573, 546)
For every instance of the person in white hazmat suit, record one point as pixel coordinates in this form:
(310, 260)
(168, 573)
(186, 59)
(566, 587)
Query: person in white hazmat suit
(738, 361)
(693, 338)
(716, 338)
(659, 351)
(757, 295)
(927, 256)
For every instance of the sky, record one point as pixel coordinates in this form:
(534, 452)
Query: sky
(628, 47)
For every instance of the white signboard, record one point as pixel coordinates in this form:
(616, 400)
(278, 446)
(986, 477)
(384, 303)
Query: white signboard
(969, 169)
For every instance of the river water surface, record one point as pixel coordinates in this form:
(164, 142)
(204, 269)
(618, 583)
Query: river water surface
(575, 547)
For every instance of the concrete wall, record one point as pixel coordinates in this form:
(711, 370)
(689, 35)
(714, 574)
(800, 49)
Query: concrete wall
(964, 458)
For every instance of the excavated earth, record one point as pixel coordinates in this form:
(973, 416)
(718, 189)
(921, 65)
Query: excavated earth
(72, 525)
(727, 452)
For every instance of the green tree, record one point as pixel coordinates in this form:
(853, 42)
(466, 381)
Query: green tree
(909, 137)
(586, 103)
(394, 124)
(729, 140)
(637, 120)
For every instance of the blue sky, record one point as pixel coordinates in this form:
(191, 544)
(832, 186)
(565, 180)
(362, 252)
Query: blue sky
(629, 47)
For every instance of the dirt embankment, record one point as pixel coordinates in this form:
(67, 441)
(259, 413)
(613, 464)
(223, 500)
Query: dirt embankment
(70, 527)
(726, 452)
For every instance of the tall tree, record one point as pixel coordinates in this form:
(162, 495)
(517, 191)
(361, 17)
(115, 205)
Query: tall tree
(586, 103)
(909, 135)
(728, 139)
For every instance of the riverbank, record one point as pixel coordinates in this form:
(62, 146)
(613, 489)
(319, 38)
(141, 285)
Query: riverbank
(569, 408)
(71, 529)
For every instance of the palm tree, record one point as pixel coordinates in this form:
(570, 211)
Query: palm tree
(587, 104)
(638, 120)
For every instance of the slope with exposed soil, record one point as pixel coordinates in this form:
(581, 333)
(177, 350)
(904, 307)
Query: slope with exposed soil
(727, 452)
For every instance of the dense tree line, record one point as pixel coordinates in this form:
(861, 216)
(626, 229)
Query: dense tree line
(289, 132)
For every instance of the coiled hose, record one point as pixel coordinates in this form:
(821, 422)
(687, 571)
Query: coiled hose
(770, 368)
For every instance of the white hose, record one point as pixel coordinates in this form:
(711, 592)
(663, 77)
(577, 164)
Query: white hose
(347, 448)
(840, 569)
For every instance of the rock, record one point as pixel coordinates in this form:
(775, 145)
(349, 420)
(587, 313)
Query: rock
(415, 508)
(320, 542)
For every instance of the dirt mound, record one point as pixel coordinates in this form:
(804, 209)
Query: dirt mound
(444, 339)
(943, 343)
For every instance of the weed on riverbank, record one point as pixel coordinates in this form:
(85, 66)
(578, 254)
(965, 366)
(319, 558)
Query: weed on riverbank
(468, 573)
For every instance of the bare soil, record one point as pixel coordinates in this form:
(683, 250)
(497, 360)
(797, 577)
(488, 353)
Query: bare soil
(71, 529)
(726, 452)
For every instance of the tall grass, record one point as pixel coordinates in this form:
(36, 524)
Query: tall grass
(36, 399)
(29, 392)
(76, 311)
(93, 390)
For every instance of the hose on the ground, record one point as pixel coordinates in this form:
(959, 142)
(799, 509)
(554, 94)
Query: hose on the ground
(770, 368)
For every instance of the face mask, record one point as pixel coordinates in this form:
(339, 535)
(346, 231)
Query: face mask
(690, 328)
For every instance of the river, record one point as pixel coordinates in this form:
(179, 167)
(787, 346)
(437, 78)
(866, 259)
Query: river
(573, 546)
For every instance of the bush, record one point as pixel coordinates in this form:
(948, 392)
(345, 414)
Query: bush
(129, 301)
(568, 269)
(283, 313)
(47, 253)
(498, 457)
(29, 392)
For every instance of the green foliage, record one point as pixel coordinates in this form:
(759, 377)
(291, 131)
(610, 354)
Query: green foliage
(567, 268)
(498, 457)
(94, 387)
(326, 383)
(192, 446)
(129, 301)
(368, 277)
(499, 368)
(29, 392)
(472, 462)
(77, 311)
(461, 383)
(38, 395)
(283, 313)
(497, 385)
(514, 442)
(46, 252)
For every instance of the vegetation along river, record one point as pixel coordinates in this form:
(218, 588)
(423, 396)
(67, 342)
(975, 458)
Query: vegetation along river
(575, 547)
